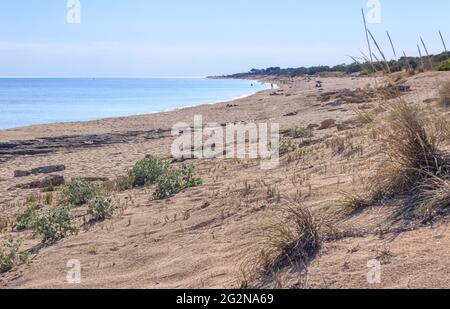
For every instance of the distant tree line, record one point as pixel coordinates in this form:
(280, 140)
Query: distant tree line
(404, 63)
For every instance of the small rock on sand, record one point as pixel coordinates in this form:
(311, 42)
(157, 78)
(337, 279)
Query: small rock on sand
(329, 123)
(49, 181)
(40, 170)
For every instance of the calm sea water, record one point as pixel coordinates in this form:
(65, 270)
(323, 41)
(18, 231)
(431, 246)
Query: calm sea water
(29, 101)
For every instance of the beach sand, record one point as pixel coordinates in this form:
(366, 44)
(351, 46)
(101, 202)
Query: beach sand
(202, 237)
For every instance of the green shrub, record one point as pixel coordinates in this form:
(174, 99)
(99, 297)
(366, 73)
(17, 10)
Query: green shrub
(102, 208)
(444, 66)
(9, 254)
(302, 133)
(168, 184)
(26, 219)
(79, 192)
(55, 224)
(188, 176)
(286, 146)
(172, 181)
(148, 170)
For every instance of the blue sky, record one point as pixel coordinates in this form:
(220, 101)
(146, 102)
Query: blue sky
(202, 37)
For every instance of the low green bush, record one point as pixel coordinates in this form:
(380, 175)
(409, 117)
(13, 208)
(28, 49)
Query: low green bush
(172, 181)
(79, 192)
(148, 170)
(9, 254)
(168, 184)
(54, 224)
(444, 66)
(188, 177)
(102, 208)
(302, 133)
(26, 219)
(287, 146)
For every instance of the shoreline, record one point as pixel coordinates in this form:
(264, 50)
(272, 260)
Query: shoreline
(170, 109)
(218, 102)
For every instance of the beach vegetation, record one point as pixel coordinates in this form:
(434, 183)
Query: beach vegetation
(102, 208)
(79, 192)
(414, 166)
(287, 146)
(292, 241)
(174, 180)
(189, 178)
(54, 224)
(168, 184)
(27, 218)
(444, 66)
(302, 133)
(119, 184)
(148, 170)
(9, 254)
(444, 94)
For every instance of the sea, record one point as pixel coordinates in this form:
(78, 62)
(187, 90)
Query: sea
(32, 101)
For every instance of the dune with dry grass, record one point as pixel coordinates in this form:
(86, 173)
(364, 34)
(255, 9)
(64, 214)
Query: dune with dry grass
(444, 94)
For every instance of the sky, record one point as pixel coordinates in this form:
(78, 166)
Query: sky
(168, 38)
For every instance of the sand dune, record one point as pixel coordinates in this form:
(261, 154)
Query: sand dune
(202, 237)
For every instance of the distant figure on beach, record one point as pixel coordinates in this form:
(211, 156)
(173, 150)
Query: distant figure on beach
(252, 85)
(271, 85)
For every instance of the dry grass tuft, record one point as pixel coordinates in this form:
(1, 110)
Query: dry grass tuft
(435, 197)
(412, 153)
(444, 94)
(289, 242)
(414, 165)
(353, 202)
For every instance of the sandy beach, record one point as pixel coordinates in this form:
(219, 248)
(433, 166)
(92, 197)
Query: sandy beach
(202, 237)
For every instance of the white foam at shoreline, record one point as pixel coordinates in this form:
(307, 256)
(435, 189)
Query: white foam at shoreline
(173, 109)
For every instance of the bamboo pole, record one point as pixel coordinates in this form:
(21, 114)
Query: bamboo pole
(354, 59)
(376, 58)
(380, 51)
(392, 44)
(443, 42)
(421, 59)
(426, 51)
(407, 61)
(365, 56)
(367, 35)
(368, 61)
